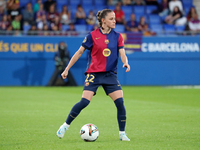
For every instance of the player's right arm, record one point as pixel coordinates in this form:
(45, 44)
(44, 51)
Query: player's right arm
(73, 60)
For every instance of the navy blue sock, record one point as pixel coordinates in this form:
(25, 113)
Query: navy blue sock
(121, 113)
(76, 109)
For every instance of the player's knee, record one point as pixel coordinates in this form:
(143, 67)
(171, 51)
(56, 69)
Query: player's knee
(83, 103)
(120, 104)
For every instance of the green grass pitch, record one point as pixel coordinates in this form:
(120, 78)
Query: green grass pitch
(157, 118)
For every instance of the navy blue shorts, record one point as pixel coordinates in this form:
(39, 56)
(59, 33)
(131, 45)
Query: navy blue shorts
(107, 80)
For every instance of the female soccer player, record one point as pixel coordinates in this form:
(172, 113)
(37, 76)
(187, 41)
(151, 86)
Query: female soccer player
(105, 45)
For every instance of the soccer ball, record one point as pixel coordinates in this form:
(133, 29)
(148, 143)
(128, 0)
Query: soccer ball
(89, 132)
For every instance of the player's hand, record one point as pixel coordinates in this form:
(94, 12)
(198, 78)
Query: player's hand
(128, 68)
(64, 74)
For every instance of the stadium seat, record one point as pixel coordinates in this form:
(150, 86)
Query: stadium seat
(80, 27)
(187, 9)
(98, 8)
(90, 27)
(139, 16)
(87, 2)
(159, 1)
(169, 28)
(187, 2)
(139, 10)
(180, 28)
(65, 27)
(158, 28)
(61, 2)
(150, 9)
(127, 9)
(88, 8)
(99, 2)
(33, 2)
(73, 9)
(75, 2)
(111, 7)
(60, 6)
(154, 19)
(23, 3)
(119, 28)
(127, 16)
(26, 28)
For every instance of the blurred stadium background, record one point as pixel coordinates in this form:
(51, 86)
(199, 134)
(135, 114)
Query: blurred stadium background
(160, 55)
(164, 54)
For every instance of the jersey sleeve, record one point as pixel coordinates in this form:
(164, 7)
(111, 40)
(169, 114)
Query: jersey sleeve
(120, 42)
(87, 42)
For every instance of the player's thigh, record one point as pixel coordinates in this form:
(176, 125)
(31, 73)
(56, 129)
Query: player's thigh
(116, 94)
(87, 94)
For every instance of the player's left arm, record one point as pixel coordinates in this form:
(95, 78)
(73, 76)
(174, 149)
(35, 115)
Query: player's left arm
(124, 59)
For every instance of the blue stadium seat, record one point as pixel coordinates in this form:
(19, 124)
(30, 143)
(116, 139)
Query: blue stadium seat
(139, 16)
(60, 6)
(61, 2)
(99, 2)
(26, 28)
(127, 9)
(111, 7)
(88, 8)
(139, 10)
(73, 9)
(186, 5)
(23, 3)
(119, 28)
(75, 2)
(180, 28)
(65, 27)
(34, 1)
(158, 28)
(159, 1)
(87, 2)
(90, 27)
(150, 9)
(154, 19)
(80, 27)
(187, 9)
(98, 8)
(127, 16)
(169, 28)
(187, 2)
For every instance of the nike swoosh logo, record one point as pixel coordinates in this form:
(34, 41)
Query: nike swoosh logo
(59, 132)
(97, 38)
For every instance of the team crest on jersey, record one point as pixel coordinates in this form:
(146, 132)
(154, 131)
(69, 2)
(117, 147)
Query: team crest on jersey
(106, 41)
(87, 83)
(106, 52)
(85, 40)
